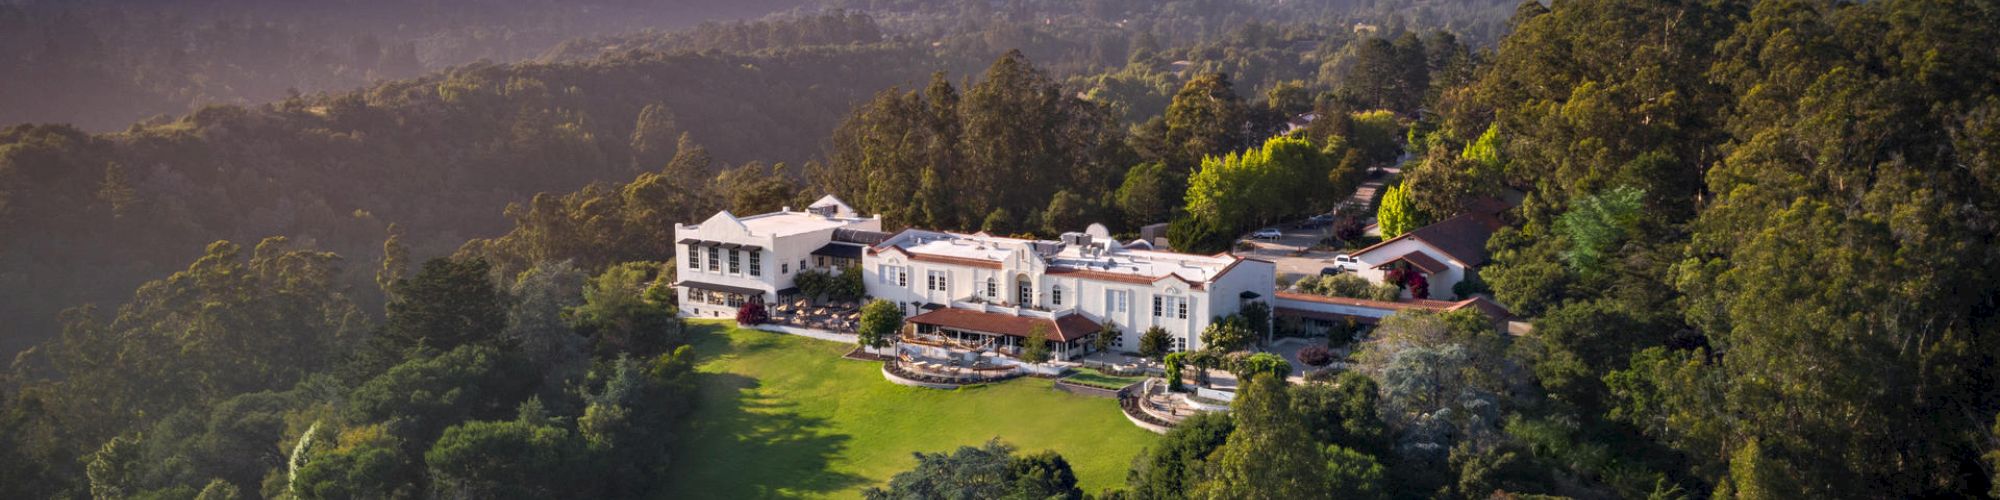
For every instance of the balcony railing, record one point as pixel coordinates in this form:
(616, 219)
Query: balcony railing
(1010, 309)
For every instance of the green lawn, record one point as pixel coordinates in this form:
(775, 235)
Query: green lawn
(785, 416)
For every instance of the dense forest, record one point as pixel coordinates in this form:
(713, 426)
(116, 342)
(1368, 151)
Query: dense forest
(1756, 245)
(109, 211)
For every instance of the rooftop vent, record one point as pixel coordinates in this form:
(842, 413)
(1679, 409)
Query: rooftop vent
(1081, 240)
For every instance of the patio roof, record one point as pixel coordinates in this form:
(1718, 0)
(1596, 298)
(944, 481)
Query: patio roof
(1419, 259)
(1063, 329)
(720, 288)
(839, 250)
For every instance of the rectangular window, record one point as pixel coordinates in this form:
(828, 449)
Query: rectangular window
(785, 268)
(697, 295)
(992, 288)
(1118, 301)
(1055, 295)
(756, 263)
(1158, 311)
(903, 276)
(939, 281)
(693, 257)
(735, 262)
(1182, 305)
(714, 259)
(1118, 341)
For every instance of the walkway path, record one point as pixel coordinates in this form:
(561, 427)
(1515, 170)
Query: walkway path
(847, 338)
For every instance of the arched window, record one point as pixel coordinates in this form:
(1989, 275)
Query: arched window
(1024, 291)
(992, 288)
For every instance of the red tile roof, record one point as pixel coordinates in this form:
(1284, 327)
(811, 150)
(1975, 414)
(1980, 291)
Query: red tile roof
(1489, 307)
(1373, 304)
(1286, 311)
(1063, 329)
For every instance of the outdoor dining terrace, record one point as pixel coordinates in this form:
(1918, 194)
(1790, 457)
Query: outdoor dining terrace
(842, 317)
(967, 368)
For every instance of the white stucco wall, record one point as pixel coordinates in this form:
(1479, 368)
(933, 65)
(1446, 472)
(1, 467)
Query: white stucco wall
(778, 255)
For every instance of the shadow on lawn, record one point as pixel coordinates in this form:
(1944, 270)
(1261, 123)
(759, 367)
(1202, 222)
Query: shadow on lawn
(743, 443)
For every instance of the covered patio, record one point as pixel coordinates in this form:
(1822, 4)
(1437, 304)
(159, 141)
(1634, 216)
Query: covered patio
(1070, 336)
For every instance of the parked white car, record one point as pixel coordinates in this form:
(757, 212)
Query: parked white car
(1347, 263)
(1269, 233)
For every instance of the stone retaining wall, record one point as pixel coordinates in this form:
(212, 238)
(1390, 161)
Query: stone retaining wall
(893, 378)
(1085, 390)
(1129, 405)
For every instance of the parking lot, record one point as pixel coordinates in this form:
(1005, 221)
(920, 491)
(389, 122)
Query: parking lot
(1293, 253)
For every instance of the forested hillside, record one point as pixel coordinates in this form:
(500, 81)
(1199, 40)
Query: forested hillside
(441, 155)
(104, 64)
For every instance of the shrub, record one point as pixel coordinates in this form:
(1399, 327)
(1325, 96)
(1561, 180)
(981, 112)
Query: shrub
(1229, 334)
(1154, 342)
(1469, 286)
(751, 314)
(1262, 363)
(880, 320)
(1037, 348)
(1316, 355)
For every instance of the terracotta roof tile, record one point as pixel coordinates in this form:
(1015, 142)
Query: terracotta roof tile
(1063, 329)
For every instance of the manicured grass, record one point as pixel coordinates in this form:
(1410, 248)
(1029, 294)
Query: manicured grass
(784, 416)
(1091, 376)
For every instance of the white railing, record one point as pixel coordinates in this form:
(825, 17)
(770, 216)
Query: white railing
(1025, 312)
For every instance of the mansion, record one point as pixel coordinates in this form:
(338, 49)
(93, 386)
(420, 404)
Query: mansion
(992, 292)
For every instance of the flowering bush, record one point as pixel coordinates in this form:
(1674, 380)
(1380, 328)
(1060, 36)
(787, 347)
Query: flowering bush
(1316, 355)
(751, 314)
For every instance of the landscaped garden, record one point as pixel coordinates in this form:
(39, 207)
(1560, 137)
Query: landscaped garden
(782, 415)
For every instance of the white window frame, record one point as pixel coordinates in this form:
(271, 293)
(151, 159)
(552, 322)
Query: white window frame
(715, 259)
(756, 263)
(693, 255)
(1055, 295)
(937, 281)
(1118, 301)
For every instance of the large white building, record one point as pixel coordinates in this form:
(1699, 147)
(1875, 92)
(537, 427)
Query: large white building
(987, 288)
(995, 292)
(728, 260)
